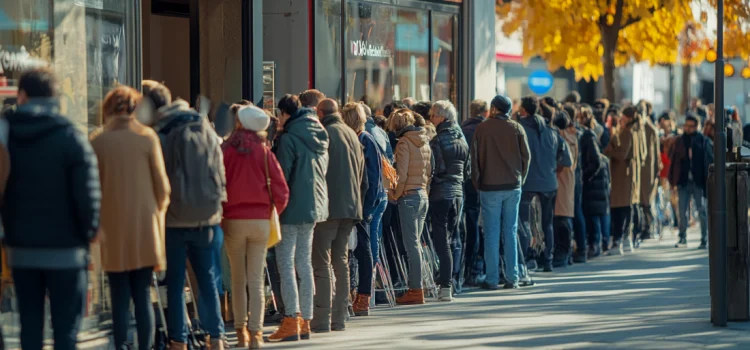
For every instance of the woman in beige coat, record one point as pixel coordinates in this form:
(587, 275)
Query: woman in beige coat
(625, 156)
(135, 195)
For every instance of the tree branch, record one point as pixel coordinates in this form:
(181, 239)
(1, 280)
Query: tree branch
(634, 20)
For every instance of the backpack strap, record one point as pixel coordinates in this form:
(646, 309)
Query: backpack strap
(268, 176)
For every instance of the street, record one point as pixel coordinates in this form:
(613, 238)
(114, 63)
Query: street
(656, 298)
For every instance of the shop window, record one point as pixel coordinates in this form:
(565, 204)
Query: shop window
(443, 57)
(387, 53)
(328, 48)
(91, 46)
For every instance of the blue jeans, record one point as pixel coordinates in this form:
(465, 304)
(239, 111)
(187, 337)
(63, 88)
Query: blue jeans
(376, 229)
(500, 216)
(195, 244)
(412, 209)
(217, 245)
(687, 192)
(598, 231)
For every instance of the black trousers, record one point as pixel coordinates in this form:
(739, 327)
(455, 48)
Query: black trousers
(444, 215)
(563, 237)
(363, 253)
(621, 223)
(135, 285)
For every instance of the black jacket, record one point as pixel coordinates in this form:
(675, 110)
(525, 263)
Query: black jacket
(53, 197)
(683, 166)
(596, 176)
(471, 195)
(452, 166)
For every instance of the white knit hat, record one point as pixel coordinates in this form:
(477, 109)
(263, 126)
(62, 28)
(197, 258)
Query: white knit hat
(253, 118)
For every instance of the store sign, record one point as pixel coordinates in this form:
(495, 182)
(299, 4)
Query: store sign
(362, 48)
(18, 61)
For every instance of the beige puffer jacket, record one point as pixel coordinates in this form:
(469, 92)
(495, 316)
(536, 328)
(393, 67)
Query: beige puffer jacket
(413, 159)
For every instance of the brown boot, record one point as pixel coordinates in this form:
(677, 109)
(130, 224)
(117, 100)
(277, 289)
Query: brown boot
(243, 337)
(362, 305)
(173, 345)
(412, 297)
(288, 331)
(304, 325)
(256, 339)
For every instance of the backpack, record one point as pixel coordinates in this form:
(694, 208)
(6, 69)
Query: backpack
(195, 166)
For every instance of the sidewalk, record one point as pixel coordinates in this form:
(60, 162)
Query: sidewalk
(657, 298)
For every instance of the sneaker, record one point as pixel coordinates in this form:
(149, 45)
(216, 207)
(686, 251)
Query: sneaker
(445, 294)
(510, 286)
(362, 305)
(616, 250)
(579, 259)
(411, 297)
(682, 243)
(526, 281)
(702, 246)
(288, 331)
(488, 286)
(531, 265)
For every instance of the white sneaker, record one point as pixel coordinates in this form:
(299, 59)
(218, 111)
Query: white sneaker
(445, 294)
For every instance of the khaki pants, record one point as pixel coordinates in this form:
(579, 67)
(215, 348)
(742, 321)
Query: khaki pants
(245, 241)
(330, 242)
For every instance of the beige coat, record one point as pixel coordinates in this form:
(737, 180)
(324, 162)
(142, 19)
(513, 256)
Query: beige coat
(413, 159)
(624, 155)
(566, 178)
(135, 196)
(651, 163)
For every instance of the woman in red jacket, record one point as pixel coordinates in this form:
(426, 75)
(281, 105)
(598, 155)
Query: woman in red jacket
(246, 217)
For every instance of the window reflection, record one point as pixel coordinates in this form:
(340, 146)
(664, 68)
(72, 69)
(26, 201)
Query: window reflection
(328, 48)
(443, 57)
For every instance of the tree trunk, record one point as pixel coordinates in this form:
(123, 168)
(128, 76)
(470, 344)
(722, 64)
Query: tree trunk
(609, 41)
(685, 98)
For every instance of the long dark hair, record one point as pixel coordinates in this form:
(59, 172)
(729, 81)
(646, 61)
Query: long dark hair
(632, 113)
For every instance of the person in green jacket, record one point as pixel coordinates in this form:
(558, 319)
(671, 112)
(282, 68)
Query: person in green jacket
(302, 151)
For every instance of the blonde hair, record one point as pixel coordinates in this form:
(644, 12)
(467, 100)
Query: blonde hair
(354, 116)
(400, 119)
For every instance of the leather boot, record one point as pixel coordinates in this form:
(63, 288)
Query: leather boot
(243, 337)
(304, 327)
(412, 297)
(288, 331)
(173, 345)
(256, 339)
(362, 305)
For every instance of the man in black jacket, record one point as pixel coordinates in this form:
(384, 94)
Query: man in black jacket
(452, 168)
(50, 212)
(480, 111)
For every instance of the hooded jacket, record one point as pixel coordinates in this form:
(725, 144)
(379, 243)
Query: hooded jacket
(452, 165)
(414, 163)
(346, 166)
(380, 137)
(247, 191)
(53, 195)
(302, 151)
(170, 117)
(548, 152)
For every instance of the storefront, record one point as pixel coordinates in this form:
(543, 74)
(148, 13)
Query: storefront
(387, 50)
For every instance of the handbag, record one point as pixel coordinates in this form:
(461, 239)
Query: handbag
(275, 235)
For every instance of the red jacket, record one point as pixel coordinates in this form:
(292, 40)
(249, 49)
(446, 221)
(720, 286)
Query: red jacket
(246, 178)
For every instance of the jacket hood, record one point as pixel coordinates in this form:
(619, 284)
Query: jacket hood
(535, 121)
(331, 119)
(169, 116)
(473, 121)
(305, 126)
(36, 119)
(416, 135)
(244, 141)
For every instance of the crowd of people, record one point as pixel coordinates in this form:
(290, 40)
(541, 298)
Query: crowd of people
(496, 197)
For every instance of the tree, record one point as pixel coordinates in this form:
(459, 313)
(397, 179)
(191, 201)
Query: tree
(593, 37)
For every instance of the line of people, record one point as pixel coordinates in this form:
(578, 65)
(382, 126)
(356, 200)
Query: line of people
(497, 197)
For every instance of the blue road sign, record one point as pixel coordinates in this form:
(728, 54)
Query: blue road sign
(540, 82)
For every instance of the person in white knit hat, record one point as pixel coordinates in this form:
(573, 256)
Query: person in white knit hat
(248, 161)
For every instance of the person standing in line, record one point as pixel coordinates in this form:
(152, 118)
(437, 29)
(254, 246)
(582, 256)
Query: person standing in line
(500, 159)
(135, 195)
(302, 151)
(194, 215)
(384, 150)
(331, 237)
(691, 156)
(551, 153)
(624, 156)
(480, 111)
(649, 175)
(373, 205)
(53, 167)
(311, 99)
(452, 169)
(668, 137)
(565, 199)
(596, 187)
(414, 166)
(250, 164)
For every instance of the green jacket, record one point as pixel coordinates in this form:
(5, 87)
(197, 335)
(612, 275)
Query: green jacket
(302, 151)
(345, 170)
